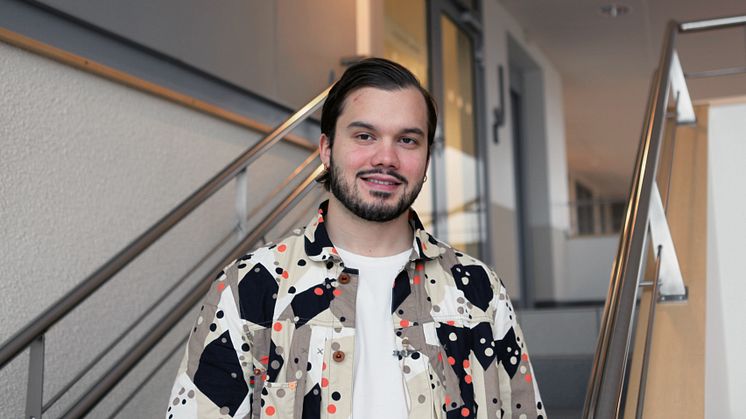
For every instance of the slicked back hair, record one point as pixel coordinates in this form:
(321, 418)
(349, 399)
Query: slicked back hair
(378, 73)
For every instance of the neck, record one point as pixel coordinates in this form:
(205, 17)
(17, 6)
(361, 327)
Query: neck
(367, 238)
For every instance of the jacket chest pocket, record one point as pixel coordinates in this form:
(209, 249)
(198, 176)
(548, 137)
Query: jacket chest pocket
(307, 366)
(277, 400)
(442, 360)
(280, 359)
(330, 366)
(430, 384)
(421, 386)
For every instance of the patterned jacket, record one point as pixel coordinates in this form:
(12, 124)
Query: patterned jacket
(275, 337)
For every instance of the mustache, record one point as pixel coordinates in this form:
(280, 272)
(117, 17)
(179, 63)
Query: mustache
(379, 171)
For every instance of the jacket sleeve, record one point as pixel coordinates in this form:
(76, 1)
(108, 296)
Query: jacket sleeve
(519, 392)
(214, 375)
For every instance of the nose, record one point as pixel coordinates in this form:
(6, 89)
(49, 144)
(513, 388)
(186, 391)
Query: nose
(386, 155)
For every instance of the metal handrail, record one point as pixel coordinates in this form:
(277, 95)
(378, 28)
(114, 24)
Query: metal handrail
(156, 369)
(145, 313)
(39, 325)
(284, 184)
(126, 363)
(168, 292)
(608, 378)
(709, 24)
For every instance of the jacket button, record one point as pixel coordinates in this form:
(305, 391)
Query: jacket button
(344, 279)
(257, 371)
(338, 356)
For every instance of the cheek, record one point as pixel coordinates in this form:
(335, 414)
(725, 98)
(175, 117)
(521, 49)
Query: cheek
(351, 159)
(415, 166)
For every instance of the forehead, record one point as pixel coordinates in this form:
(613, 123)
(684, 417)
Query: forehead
(397, 107)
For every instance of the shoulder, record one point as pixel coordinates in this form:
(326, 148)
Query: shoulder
(265, 258)
(474, 278)
(457, 260)
(259, 278)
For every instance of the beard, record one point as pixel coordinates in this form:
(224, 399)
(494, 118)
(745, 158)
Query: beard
(380, 211)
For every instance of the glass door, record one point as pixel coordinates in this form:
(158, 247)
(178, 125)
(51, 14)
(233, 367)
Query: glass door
(437, 40)
(456, 161)
(405, 42)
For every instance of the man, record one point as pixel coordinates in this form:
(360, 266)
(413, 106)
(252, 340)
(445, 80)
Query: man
(363, 314)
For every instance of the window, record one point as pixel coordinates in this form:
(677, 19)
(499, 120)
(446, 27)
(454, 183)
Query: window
(584, 206)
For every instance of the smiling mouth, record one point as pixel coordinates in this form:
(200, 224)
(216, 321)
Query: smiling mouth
(381, 182)
(382, 178)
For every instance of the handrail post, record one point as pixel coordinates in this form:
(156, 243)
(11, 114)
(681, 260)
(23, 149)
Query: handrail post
(35, 390)
(242, 203)
(649, 336)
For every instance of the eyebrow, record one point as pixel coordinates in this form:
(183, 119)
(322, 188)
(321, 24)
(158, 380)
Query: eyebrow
(371, 127)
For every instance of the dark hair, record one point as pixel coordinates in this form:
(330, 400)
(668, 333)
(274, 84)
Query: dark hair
(381, 74)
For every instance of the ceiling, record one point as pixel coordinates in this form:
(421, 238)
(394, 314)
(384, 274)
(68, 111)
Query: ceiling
(606, 65)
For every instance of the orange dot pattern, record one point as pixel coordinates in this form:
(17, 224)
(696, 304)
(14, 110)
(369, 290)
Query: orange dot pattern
(289, 304)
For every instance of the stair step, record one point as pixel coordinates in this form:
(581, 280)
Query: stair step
(562, 381)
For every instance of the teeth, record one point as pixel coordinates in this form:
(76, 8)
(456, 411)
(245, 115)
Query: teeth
(380, 182)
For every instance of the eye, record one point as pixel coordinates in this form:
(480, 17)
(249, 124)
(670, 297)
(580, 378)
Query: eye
(364, 136)
(408, 140)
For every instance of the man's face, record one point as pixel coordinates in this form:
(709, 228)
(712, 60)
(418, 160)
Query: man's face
(380, 152)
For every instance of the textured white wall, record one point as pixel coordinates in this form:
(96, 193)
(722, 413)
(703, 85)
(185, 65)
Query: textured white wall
(86, 165)
(726, 339)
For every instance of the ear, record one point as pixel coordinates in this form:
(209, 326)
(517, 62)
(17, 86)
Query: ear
(325, 149)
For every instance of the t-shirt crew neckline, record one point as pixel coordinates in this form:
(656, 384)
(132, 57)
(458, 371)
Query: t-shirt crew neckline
(370, 261)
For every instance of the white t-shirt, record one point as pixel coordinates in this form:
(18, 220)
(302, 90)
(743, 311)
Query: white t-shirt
(378, 388)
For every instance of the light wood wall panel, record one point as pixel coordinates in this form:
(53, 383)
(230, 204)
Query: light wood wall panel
(675, 383)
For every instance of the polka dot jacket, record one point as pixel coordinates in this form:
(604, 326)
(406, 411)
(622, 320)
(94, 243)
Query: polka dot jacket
(275, 337)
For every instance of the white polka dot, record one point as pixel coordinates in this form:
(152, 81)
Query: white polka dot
(513, 360)
(452, 337)
(523, 369)
(482, 341)
(200, 320)
(464, 280)
(516, 351)
(523, 416)
(509, 349)
(489, 352)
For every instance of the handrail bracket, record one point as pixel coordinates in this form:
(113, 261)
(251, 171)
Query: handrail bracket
(671, 281)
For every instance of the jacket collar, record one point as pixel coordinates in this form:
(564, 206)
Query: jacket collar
(319, 246)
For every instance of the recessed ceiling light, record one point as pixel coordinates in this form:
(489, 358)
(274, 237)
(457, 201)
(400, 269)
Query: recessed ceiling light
(614, 10)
